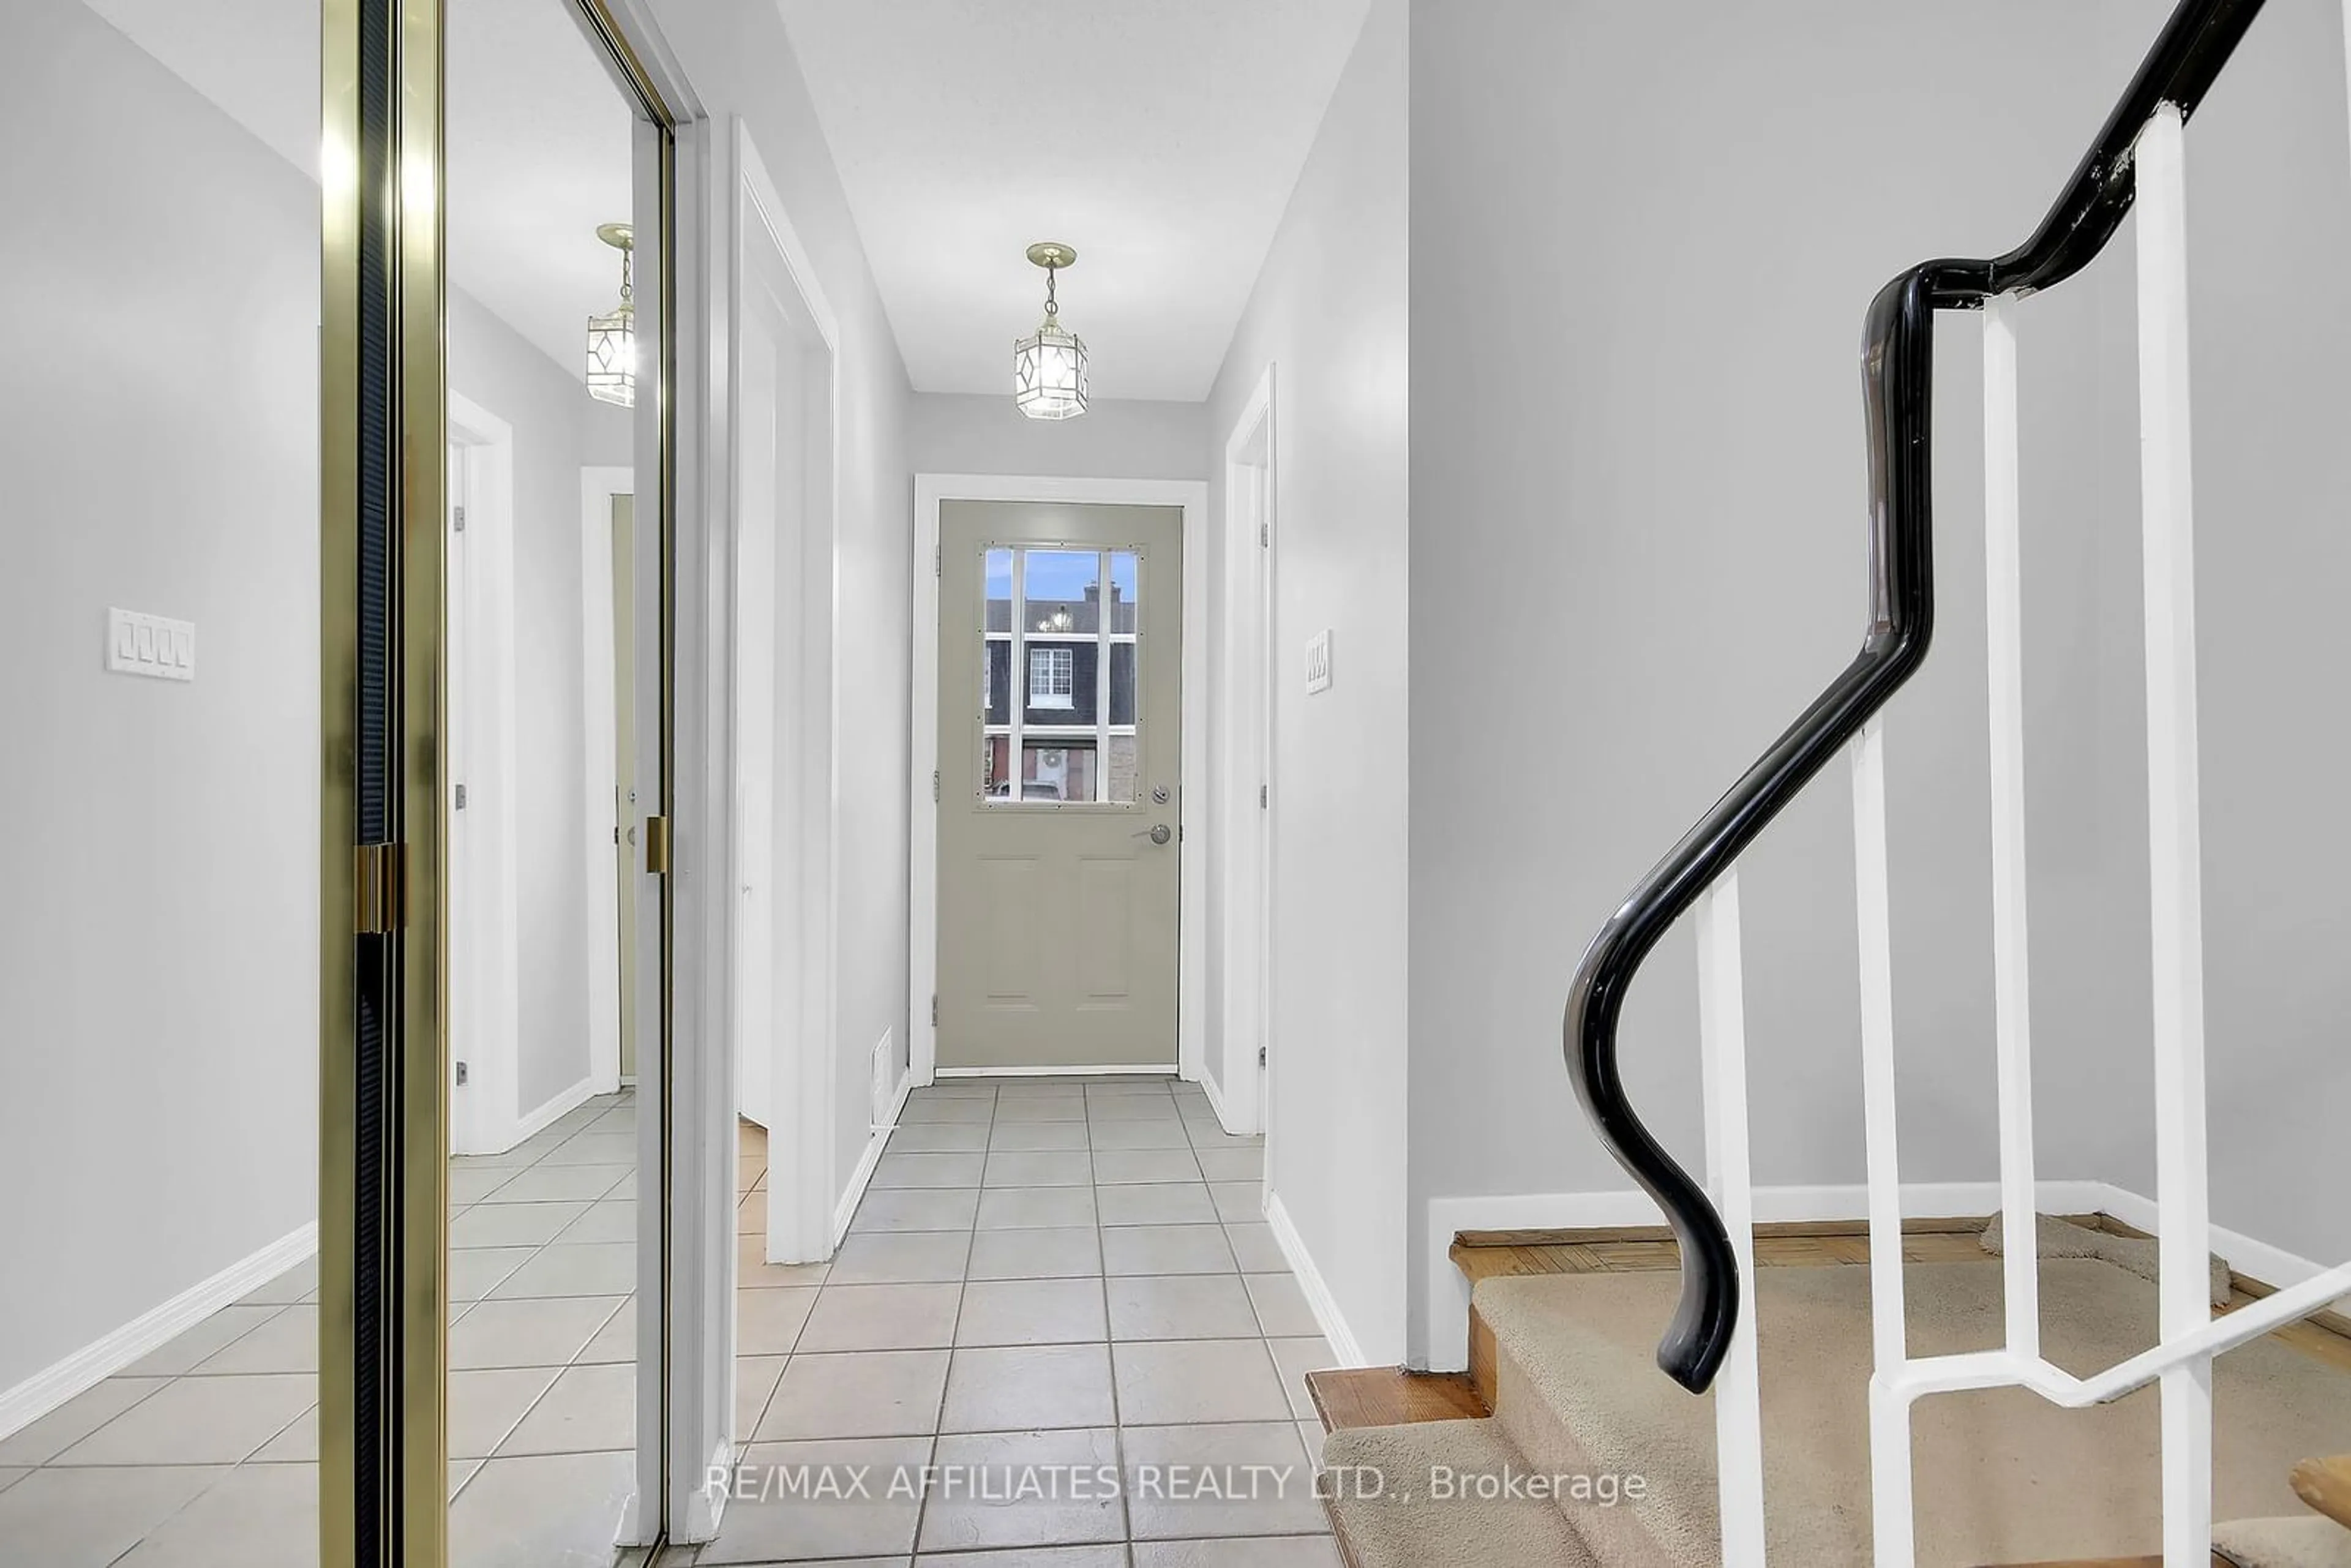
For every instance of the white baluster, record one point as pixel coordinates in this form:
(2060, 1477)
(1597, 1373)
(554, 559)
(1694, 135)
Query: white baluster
(2173, 831)
(1889, 1425)
(1722, 1039)
(2011, 984)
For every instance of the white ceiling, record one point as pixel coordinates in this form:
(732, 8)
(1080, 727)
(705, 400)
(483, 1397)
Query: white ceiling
(538, 137)
(1160, 138)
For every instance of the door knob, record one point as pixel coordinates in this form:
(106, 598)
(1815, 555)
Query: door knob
(1158, 833)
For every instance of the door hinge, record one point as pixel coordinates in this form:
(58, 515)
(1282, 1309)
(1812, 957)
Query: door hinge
(657, 846)
(461, 797)
(934, 1009)
(378, 891)
(1263, 791)
(934, 786)
(1265, 536)
(1261, 1056)
(460, 515)
(938, 560)
(461, 1075)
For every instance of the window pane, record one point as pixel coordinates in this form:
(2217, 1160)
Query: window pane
(1057, 770)
(1059, 678)
(1125, 778)
(996, 672)
(995, 752)
(1121, 682)
(1122, 590)
(999, 578)
(1062, 591)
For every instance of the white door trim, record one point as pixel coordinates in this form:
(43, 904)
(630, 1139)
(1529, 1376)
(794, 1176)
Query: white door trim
(1243, 717)
(803, 1180)
(486, 941)
(602, 814)
(922, 926)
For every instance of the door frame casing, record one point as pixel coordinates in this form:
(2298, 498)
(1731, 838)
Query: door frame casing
(803, 1059)
(932, 491)
(604, 817)
(1244, 719)
(485, 922)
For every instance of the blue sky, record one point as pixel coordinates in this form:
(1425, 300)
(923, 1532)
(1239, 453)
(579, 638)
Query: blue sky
(1061, 574)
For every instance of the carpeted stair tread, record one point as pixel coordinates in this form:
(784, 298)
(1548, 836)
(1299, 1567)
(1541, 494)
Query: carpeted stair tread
(1406, 1527)
(2306, 1542)
(2060, 1238)
(2002, 1476)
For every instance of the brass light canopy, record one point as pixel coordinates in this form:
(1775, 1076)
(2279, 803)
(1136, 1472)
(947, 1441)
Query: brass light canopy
(1048, 366)
(612, 336)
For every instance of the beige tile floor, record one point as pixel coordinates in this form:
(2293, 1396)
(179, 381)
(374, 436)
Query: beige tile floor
(204, 1454)
(1044, 1273)
(1051, 1273)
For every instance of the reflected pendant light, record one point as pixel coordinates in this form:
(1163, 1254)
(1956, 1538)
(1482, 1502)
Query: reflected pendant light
(1048, 366)
(612, 336)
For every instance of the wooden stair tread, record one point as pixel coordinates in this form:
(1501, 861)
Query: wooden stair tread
(2326, 1485)
(1391, 1397)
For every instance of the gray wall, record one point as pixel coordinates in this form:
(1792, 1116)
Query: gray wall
(741, 62)
(1328, 312)
(1638, 554)
(159, 943)
(1118, 438)
(553, 419)
(1637, 484)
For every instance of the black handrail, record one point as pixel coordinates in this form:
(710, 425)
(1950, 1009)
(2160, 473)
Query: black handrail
(1897, 380)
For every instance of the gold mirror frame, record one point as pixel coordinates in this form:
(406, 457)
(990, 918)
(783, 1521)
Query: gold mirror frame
(383, 1137)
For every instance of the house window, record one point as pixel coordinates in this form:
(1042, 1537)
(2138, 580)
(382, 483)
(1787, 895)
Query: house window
(1052, 677)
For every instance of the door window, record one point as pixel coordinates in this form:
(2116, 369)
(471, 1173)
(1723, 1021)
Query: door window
(1064, 625)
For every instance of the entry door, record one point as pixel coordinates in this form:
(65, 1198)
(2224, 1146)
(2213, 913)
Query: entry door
(1060, 743)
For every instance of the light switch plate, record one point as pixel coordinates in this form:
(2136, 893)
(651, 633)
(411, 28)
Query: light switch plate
(1318, 662)
(152, 645)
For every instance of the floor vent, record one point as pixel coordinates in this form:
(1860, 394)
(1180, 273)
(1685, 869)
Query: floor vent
(886, 1076)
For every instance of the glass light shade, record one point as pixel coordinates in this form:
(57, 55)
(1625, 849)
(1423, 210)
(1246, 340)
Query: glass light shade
(1049, 373)
(612, 356)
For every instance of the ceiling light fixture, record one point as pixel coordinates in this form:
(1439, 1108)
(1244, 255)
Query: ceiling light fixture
(1049, 367)
(612, 336)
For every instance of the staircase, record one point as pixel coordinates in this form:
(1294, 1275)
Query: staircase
(1563, 1387)
(1960, 1412)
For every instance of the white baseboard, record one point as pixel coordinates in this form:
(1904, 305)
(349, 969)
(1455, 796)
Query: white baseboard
(863, 1177)
(1217, 1103)
(557, 1107)
(1125, 1069)
(45, 1390)
(1344, 1346)
(1447, 1345)
(2247, 1254)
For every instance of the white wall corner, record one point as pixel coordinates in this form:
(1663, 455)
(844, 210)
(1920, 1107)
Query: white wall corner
(45, 1390)
(1346, 1348)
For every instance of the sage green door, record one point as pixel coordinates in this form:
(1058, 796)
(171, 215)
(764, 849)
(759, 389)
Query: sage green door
(1060, 714)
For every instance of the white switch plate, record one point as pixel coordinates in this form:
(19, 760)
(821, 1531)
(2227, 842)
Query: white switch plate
(1318, 662)
(152, 645)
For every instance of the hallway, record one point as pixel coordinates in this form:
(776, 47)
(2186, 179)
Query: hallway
(1051, 1280)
